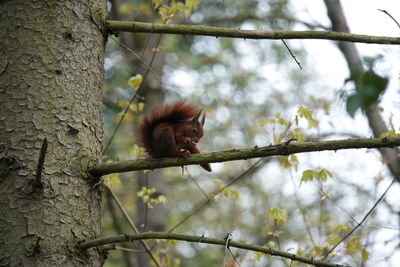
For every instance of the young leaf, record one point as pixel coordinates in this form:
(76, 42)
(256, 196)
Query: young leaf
(308, 115)
(352, 104)
(308, 175)
(279, 216)
(387, 134)
(364, 255)
(354, 245)
(324, 174)
(321, 175)
(113, 180)
(333, 239)
(135, 81)
(261, 123)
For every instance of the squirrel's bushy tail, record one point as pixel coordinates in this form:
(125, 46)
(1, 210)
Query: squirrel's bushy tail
(179, 111)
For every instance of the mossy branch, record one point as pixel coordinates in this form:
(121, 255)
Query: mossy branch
(241, 154)
(202, 239)
(142, 27)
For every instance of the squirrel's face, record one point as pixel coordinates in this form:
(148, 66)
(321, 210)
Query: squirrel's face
(196, 131)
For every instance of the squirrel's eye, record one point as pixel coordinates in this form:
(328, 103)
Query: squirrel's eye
(194, 130)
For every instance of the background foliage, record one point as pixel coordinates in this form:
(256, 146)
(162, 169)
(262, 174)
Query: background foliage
(255, 94)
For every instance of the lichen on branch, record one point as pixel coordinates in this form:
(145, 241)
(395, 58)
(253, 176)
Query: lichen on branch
(142, 27)
(242, 154)
(204, 240)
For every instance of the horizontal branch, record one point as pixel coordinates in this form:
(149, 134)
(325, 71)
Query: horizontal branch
(142, 27)
(202, 239)
(241, 154)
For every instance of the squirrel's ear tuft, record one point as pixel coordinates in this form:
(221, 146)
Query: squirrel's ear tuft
(196, 118)
(203, 120)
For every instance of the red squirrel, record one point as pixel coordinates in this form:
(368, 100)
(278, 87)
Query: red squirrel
(172, 131)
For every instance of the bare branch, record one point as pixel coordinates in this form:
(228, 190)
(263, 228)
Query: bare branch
(202, 239)
(204, 203)
(240, 154)
(292, 55)
(138, 57)
(141, 27)
(362, 221)
(390, 16)
(132, 224)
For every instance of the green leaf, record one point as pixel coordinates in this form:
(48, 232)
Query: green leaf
(289, 161)
(113, 180)
(137, 151)
(279, 216)
(352, 104)
(364, 255)
(308, 175)
(146, 195)
(370, 61)
(333, 239)
(123, 103)
(372, 87)
(257, 256)
(282, 121)
(271, 244)
(343, 228)
(308, 115)
(298, 135)
(321, 175)
(387, 134)
(261, 123)
(354, 245)
(324, 174)
(135, 81)
(157, 2)
(319, 250)
(225, 191)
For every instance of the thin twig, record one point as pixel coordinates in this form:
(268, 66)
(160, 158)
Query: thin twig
(146, 205)
(362, 221)
(387, 13)
(302, 212)
(227, 248)
(38, 178)
(132, 224)
(129, 249)
(110, 247)
(212, 196)
(133, 97)
(293, 56)
(233, 256)
(138, 57)
(198, 186)
(118, 228)
(151, 33)
(337, 205)
(205, 240)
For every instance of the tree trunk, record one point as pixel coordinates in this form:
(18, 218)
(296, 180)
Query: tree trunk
(51, 71)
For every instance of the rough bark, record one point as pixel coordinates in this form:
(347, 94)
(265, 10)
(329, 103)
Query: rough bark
(51, 70)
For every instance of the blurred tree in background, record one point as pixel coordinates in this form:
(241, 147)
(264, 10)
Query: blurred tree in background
(254, 94)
